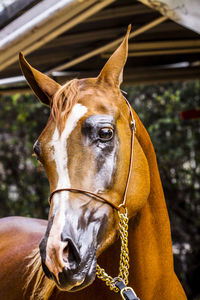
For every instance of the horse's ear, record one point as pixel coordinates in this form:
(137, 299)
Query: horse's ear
(43, 86)
(113, 70)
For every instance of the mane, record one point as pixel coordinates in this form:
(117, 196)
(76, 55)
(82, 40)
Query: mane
(36, 283)
(63, 101)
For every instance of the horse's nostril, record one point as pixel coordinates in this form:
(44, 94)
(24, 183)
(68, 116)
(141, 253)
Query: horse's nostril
(66, 253)
(71, 255)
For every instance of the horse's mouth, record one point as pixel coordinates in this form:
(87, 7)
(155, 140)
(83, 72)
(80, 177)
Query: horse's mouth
(88, 279)
(80, 280)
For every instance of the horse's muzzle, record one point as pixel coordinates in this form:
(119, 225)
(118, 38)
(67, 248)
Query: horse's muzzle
(71, 280)
(66, 266)
(69, 247)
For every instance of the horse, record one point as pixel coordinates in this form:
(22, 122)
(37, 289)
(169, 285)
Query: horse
(97, 165)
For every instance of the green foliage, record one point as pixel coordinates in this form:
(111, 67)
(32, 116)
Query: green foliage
(23, 185)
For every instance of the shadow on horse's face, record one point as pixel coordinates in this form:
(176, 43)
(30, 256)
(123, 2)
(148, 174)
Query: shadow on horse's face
(86, 145)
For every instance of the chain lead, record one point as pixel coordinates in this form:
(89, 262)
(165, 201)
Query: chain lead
(124, 256)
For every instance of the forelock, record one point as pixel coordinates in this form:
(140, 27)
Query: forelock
(63, 101)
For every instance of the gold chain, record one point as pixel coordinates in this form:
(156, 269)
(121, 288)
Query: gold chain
(124, 256)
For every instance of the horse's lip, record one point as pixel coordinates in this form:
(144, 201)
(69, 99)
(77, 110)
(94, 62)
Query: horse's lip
(86, 282)
(87, 279)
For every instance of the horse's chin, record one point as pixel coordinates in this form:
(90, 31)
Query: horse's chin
(77, 287)
(80, 284)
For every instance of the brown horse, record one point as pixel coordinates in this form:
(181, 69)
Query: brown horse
(86, 145)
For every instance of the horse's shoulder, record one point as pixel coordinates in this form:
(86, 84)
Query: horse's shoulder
(22, 225)
(19, 236)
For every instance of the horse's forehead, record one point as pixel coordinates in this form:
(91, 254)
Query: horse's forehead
(93, 87)
(99, 99)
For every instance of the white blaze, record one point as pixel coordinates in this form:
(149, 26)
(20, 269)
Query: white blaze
(59, 155)
(59, 143)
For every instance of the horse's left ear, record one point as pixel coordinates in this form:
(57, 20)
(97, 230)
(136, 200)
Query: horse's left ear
(113, 70)
(43, 86)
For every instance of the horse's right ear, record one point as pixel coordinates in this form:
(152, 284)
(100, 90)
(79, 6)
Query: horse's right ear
(43, 86)
(112, 72)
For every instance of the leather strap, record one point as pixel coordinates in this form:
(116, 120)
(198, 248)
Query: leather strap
(133, 130)
(98, 197)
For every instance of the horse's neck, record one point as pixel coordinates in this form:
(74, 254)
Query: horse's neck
(150, 246)
(150, 249)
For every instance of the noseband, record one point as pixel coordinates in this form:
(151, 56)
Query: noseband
(119, 283)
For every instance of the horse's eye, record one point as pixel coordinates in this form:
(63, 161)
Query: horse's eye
(105, 134)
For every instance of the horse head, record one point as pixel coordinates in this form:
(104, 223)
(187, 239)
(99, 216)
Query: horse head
(86, 145)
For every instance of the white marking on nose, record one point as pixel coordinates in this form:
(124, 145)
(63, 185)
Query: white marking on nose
(59, 155)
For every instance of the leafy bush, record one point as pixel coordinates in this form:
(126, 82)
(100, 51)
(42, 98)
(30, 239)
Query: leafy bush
(24, 187)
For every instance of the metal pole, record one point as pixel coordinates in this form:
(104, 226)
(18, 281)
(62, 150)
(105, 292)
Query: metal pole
(48, 25)
(108, 46)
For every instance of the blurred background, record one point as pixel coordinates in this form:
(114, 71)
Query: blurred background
(74, 38)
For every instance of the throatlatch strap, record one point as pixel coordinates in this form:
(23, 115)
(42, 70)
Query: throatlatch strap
(126, 292)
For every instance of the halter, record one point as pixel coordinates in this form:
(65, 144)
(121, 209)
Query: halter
(119, 283)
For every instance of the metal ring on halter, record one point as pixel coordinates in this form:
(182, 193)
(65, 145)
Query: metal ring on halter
(126, 292)
(126, 289)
